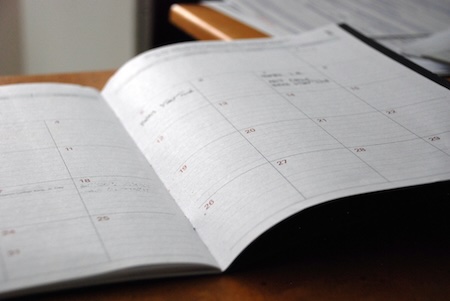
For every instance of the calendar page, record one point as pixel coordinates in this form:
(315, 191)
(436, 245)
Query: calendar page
(192, 151)
(77, 197)
(245, 134)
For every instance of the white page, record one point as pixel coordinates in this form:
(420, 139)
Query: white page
(394, 23)
(399, 18)
(244, 134)
(436, 46)
(77, 198)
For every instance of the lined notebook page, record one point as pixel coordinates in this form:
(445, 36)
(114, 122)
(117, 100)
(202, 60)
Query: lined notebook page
(77, 197)
(245, 134)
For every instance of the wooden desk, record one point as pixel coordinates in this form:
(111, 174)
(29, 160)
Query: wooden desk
(380, 260)
(93, 79)
(204, 23)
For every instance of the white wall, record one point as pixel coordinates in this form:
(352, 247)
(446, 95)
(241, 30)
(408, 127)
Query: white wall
(50, 36)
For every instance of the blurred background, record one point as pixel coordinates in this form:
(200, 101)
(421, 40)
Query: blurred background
(58, 36)
(54, 36)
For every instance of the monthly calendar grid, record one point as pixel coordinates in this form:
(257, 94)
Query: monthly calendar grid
(386, 113)
(273, 161)
(351, 150)
(248, 141)
(60, 179)
(283, 96)
(80, 197)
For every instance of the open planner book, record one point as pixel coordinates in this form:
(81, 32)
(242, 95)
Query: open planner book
(192, 151)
